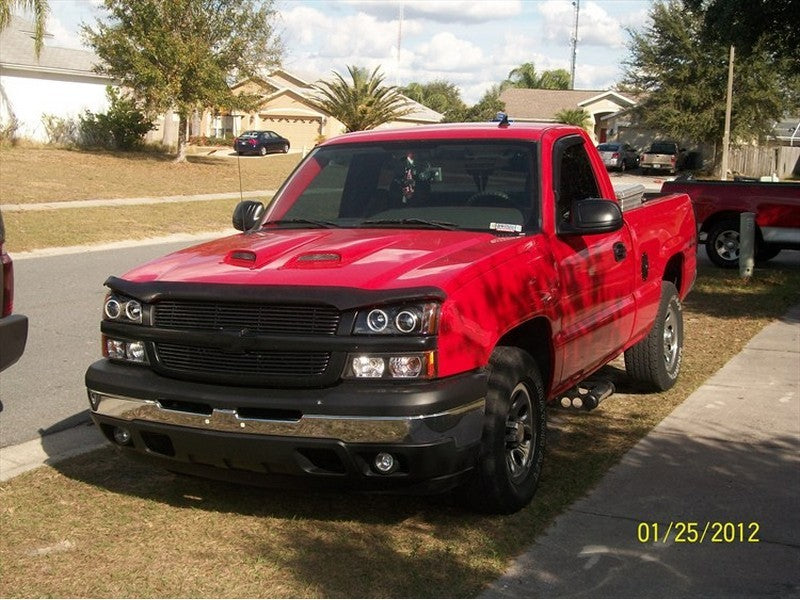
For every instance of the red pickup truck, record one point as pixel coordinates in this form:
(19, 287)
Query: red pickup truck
(398, 317)
(719, 204)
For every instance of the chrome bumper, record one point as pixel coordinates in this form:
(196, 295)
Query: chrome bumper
(463, 424)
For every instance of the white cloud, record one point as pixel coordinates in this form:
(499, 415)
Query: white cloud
(595, 26)
(445, 52)
(442, 11)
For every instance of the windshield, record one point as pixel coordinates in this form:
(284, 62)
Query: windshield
(487, 186)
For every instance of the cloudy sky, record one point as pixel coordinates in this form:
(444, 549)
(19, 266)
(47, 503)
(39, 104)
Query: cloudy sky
(473, 44)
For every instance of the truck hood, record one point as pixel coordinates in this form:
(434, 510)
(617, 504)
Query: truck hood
(361, 258)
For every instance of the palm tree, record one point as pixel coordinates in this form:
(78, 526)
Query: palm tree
(364, 102)
(525, 76)
(39, 8)
(574, 116)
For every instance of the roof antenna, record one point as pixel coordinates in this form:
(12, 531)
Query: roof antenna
(501, 119)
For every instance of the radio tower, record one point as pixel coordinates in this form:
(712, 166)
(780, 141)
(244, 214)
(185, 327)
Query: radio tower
(399, 41)
(577, 5)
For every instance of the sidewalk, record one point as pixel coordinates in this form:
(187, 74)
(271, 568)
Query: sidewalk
(263, 194)
(729, 454)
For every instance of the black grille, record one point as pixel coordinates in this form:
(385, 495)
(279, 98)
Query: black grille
(189, 359)
(256, 318)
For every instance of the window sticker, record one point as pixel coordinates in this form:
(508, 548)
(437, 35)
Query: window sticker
(505, 227)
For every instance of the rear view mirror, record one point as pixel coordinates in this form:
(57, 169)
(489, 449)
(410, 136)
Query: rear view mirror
(247, 214)
(591, 216)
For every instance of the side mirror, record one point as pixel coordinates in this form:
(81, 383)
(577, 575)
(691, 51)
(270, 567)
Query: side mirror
(247, 214)
(592, 215)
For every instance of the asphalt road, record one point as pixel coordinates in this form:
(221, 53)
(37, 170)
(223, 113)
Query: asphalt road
(62, 297)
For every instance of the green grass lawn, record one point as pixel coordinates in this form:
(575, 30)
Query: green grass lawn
(47, 174)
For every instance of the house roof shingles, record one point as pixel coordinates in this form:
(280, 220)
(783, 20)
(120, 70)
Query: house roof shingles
(17, 52)
(543, 105)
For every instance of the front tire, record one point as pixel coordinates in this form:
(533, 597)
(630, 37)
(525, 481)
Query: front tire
(512, 448)
(262, 151)
(655, 362)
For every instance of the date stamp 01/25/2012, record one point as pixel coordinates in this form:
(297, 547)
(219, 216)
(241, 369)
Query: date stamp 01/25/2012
(698, 532)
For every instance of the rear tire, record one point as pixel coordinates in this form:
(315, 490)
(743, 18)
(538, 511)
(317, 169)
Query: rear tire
(655, 362)
(512, 448)
(722, 244)
(262, 151)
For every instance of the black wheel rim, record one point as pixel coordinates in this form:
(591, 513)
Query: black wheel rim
(520, 436)
(726, 245)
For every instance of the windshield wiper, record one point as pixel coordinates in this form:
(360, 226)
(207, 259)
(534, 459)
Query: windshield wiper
(314, 222)
(412, 221)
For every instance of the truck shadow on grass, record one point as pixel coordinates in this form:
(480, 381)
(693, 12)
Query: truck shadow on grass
(355, 545)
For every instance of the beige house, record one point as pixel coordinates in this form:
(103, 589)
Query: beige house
(285, 108)
(543, 105)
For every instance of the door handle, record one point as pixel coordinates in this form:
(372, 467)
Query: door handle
(620, 251)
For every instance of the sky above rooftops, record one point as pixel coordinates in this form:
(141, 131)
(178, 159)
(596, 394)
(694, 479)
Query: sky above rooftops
(473, 44)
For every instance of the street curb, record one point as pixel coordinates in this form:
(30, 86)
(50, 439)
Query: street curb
(49, 450)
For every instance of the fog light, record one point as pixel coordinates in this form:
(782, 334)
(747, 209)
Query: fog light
(122, 436)
(135, 351)
(368, 366)
(115, 348)
(385, 463)
(405, 366)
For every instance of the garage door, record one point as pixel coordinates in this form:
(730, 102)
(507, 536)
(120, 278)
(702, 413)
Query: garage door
(302, 132)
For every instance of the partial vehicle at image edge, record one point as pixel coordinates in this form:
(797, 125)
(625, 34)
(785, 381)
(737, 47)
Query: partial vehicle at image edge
(400, 317)
(718, 207)
(13, 327)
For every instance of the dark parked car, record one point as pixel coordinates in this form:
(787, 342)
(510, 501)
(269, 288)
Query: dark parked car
(260, 142)
(620, 156)
(13, 328)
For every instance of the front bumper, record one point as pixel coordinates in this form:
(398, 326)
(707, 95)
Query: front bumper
(290, 437)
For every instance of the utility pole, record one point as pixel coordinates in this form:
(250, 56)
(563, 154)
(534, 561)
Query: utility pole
(577, 5)
(726, 136)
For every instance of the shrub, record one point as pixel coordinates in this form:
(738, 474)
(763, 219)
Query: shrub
(123, 127)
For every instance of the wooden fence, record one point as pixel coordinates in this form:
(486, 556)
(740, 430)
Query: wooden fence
(758, 161)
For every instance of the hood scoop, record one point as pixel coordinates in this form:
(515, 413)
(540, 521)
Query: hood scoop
(316, 260)
(241, 258)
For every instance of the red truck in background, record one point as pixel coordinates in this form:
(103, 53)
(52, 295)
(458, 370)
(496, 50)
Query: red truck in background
(399, 316)
(719, 204)
(13, 327)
